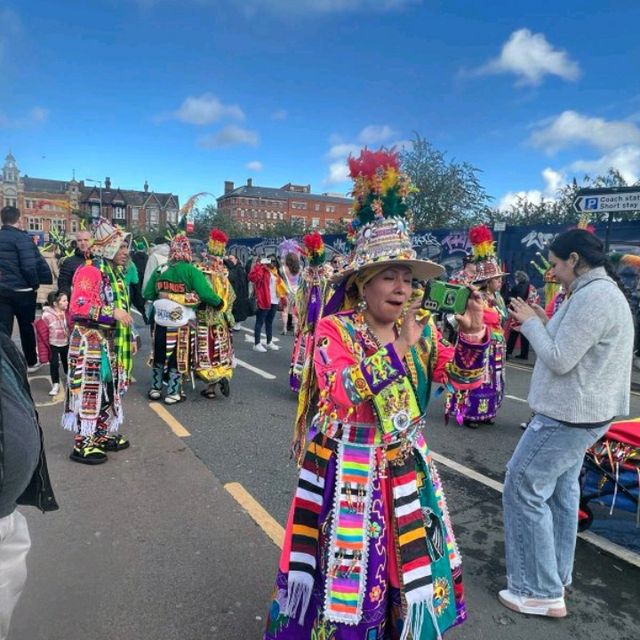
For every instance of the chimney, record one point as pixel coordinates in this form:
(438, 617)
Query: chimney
(249, 182)
(107, 183)
(228, 186)
(146, 186)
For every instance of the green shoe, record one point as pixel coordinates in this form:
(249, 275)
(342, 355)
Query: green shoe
(89, 454)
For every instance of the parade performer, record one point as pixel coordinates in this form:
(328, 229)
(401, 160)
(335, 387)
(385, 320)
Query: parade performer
(467, 274)
(369, 551)
(310, 301)
(176, 288)
(101, 348)
(480, 405)
(290, 271)
(214, 343)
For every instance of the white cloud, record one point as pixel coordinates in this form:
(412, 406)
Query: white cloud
(255, 165)
(230, 136)
(376, 134)
(572, 128)
(553, 181)
(343, 151)
(338, 173)
(201, 110)
(626, 159)
(35, 116)
(280, 114)
(530, 57)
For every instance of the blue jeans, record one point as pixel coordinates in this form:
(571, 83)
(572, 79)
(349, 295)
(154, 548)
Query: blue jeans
(264, 316)
(540, 501)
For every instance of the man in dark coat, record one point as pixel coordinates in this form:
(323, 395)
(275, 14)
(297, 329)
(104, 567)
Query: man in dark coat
(24, 478)
(22, 271)
(240, 283)
(71, 264)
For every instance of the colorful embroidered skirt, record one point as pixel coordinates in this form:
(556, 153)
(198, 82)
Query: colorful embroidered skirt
(214, 352)
(372, 583)
(482, 404)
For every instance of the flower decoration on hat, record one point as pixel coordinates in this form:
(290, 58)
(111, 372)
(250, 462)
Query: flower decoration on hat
(314, 249)
(180, 249)
(217, 242)
(483, 250)
(380, 188)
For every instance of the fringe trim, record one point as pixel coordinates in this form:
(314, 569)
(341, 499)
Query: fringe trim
(68, 421)
(88, 427)
(299, 589)
(416, 615)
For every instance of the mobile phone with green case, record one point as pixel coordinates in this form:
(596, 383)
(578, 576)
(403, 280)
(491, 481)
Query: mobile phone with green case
(443, 297)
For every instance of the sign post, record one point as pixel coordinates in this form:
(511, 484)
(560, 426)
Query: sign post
(607, 200)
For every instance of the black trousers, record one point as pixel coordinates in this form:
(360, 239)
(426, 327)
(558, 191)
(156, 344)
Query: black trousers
(265, 317)
(511, 343)
(58, 353)
(20, 305)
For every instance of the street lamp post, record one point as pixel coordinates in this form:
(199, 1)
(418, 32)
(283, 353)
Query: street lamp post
(98, 182)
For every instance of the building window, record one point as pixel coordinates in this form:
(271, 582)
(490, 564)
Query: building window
(154, 217)
(315, 222)
(316, 207)
(10, 202)
(74, 226)
(95, 210)
(58, 225)
(135, 214)
(118, 213)
(34, 224)
(331, 208)
(298, 205)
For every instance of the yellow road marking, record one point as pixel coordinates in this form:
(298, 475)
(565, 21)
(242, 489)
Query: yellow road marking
(174, 425)
(257, 512)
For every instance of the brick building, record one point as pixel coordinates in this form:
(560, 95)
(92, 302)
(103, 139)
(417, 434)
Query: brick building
(257, 208)
(48, 204)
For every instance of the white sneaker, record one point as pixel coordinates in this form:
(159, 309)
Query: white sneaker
(273, 347)
(550, 607)
(259, 347)
(55, 390)
(34, 368)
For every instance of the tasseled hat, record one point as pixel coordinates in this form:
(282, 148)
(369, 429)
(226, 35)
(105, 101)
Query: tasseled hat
(217, 242)
(483, 249)
(381, 226)
(180, 249)
(107, 239)
(314, 249)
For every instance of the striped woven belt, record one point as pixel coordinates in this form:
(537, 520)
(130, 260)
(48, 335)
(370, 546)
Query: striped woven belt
(361, 433)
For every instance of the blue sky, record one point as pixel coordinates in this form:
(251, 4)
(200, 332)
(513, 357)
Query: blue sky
(189, 93)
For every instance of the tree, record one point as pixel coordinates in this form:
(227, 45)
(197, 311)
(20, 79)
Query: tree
(449, 192)
(210, 217)
(285, 229)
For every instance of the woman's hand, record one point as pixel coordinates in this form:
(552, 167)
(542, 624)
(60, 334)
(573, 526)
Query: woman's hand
(521, 311)
(121, 316)
(541, 313)
(472, 320)
(411, 330)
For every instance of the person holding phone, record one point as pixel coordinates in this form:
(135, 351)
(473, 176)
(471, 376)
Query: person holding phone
(269, 289)
(480, 405)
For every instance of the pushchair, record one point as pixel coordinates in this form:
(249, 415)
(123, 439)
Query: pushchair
(610, 473)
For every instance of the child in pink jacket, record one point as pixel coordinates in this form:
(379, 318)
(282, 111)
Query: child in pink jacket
(53, 336)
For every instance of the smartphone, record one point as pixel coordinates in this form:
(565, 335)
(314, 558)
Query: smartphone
(444, 297)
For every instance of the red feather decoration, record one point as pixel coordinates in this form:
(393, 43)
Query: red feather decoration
(480, 234)
(313, 242)
(218, 236)
(370, 162)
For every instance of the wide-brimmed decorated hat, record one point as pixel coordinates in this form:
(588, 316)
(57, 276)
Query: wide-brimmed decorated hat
(381, 225)
(483, 249)
(217, 242)
(107, 239)
(180, 248)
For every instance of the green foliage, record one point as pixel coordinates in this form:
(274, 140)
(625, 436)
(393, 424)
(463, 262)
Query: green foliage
(449, 192)
(209, 218)
(285, 229)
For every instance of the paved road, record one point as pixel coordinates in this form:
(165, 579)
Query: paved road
(165, 552)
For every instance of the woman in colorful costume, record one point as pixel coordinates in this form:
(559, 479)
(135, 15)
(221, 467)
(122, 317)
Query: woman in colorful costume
(290, 271)
(176, 288)
(481, 404)
(310, 299)
(369, 550)
(101, 348)
(214, 343)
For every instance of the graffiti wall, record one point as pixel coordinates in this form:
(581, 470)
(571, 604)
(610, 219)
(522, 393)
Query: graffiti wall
(517, 245)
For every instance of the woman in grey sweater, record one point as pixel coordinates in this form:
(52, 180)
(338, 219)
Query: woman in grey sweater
(581, 381)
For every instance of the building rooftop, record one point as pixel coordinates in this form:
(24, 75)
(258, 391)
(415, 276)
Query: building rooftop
(246, 191)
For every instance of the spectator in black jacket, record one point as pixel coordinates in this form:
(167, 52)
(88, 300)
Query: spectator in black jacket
(23, 475)
(71, 264)
(22, 271)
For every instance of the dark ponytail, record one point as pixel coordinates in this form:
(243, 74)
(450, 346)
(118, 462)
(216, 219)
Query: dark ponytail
(589, 248)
